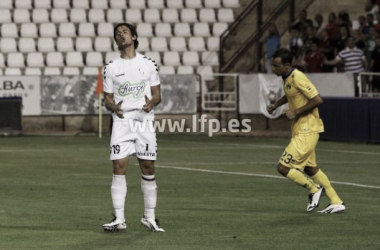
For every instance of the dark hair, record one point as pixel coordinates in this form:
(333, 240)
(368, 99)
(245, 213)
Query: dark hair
(131, 28)
(285, 55)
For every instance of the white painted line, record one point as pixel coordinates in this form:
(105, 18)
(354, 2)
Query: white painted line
(220, 172)
(218, 145)
(274, 163)
(257, 175)
(26, 150)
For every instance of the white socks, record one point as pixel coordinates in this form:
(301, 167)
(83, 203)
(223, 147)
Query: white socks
(118, 193)
(149, 189)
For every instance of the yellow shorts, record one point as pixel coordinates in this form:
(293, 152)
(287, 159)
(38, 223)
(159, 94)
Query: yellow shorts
(300, 152)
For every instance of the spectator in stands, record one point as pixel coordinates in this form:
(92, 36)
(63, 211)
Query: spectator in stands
(362, 24)
(372, 7)
(309, 39)
(295, 42)
(359, 41)
(272, 43)
(370, 42)
(320, 24)
(375, 66)
(340, 44)
(344, 34)
(314, 60)
(299, 62)
(370, 23)
(352, 57)
(332, 27)
(344, 19)
(327, 48)
(302, 23)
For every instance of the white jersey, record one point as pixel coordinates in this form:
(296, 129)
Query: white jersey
(130, 81)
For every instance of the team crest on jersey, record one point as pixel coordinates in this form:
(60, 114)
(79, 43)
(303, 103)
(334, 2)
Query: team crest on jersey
(141, 71)
(135, 89)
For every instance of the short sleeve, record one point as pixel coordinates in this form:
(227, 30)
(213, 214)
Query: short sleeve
(107, 79)
(154, 77)
(305, 86)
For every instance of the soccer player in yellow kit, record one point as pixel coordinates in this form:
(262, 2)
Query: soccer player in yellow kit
(298, 162)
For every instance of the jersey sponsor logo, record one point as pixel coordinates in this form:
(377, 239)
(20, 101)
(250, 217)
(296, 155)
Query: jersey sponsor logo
(119, 75)
(135, 89)
(146, 154)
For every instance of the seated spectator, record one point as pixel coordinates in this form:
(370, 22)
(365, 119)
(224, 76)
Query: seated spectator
(352, 57)
(272, 43)
(375, 66)
(295, 44)
(309, 39)
(326, 47)
(320, 24)
(314, 60)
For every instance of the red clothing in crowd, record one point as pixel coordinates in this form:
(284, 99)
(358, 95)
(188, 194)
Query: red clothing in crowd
(315, 62)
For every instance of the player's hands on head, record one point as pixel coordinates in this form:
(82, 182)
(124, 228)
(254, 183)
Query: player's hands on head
(148, 105)
(271, 108)
(118, 111)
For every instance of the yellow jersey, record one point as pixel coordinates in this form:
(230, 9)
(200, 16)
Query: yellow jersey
(298, 90)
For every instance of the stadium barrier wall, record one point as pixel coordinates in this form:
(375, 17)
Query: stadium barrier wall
(351, 119)
(251, 88)
(75, 95)
(11, 118)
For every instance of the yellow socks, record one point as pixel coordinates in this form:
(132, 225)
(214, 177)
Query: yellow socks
(299, 178)
(321, 179)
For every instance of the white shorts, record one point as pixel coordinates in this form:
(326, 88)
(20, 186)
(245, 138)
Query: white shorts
(131, 136)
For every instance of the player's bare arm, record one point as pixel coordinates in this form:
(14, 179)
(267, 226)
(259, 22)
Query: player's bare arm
(311, 104)
(156, 99)
(112, 106)
(283, 100)
(331, 62)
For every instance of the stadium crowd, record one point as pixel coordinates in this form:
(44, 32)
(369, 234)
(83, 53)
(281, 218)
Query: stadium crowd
(335, 45)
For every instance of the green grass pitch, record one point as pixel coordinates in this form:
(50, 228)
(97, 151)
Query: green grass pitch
(213, 193)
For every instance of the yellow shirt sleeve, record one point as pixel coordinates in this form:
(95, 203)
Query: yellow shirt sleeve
(305, 86)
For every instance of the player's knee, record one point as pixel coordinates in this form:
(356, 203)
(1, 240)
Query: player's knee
(119, 167)
(310, 171)
(282, 170)
(147, 167)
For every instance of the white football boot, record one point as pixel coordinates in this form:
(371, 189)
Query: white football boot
(152, 225)
(115, 225)
(335, 208)
(314, 200)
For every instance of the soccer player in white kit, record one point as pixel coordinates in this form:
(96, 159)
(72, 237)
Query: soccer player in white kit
(132, 88)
